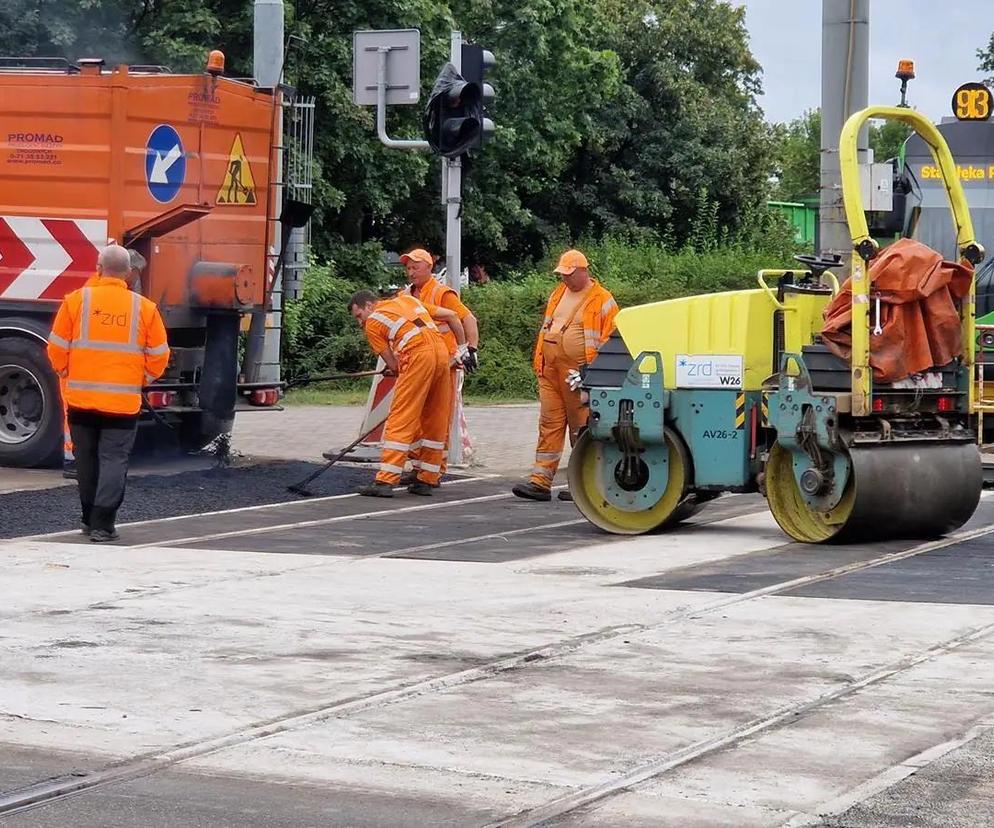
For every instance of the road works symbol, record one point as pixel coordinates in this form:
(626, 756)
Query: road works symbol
(238, 186)
(165, 163)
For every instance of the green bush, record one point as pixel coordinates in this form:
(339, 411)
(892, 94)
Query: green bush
(321, 337)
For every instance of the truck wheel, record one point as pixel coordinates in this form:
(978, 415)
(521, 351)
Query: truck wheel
(198, 430)
(30, 406)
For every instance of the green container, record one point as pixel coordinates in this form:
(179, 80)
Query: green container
(804, 217)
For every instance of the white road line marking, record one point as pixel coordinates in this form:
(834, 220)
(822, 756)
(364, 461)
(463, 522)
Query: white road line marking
(261, 530)
(654, 767)
(258, 508)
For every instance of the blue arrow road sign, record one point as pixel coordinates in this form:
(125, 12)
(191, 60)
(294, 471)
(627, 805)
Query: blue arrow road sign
(165, 163)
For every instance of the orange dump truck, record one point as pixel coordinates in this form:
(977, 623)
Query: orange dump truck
(177, 167)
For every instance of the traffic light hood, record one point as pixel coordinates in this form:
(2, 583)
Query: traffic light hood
(453, 120)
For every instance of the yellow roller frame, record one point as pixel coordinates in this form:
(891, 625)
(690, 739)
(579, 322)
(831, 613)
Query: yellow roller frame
(865, 248)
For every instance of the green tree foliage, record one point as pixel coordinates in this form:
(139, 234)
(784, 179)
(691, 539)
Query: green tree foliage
(684, 127)
(797, 166)
(612, 116)
(887, 139)
(986, 58)
(799, 146)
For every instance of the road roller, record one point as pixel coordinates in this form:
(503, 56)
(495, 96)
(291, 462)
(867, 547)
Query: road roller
(737, 392)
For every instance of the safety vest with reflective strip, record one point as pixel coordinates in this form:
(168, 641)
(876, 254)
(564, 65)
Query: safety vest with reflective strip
(597, 313)
(107, 343)
(433, 293)
(399, 321)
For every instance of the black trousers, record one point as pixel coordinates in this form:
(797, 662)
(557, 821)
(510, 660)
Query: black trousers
(103, 446)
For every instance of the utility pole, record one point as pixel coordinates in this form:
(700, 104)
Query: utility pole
(452, 193)
(845, 89)
(262, 357)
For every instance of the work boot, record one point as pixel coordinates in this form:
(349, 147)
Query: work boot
(103, 535)
(419, 487)
(376, 489)
(84, 528)
(69, 469)
(565, 495)
(409, 477)
(529, 491)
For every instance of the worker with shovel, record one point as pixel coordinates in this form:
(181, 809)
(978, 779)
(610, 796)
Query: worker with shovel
(403, 333)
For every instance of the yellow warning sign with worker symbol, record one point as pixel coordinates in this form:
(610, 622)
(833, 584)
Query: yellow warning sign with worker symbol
(238, 186)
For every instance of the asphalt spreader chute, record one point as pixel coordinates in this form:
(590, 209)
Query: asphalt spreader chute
(753, 390)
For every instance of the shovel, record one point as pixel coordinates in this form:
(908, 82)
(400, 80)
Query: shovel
(301, 487)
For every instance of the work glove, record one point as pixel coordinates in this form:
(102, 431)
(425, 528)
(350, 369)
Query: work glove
(461, 351)
(470, 361)
(574, 379)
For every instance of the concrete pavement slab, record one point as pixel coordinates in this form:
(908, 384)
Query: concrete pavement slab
(115, 651)
(199, 800)
(955, 791)
(824, 756)
(591, 715)
(224, 639)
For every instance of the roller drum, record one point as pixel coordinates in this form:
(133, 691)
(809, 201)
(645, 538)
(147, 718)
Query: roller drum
(902, 490)
(587, 474)
(921, 490)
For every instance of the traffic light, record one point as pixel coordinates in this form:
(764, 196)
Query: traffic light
(475, 62)
(453, 121)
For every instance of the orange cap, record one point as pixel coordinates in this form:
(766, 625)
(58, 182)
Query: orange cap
(570, 261)
(419, 254)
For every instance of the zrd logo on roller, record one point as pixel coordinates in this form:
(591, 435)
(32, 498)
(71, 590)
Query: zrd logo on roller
(238, 186)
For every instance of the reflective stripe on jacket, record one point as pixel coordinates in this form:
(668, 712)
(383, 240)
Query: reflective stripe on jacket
(437, 294)
(597, 314)
(398, 322)
(107, 343)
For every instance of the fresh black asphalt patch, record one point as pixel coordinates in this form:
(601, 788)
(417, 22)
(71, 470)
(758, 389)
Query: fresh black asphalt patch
(150, 497)
(959, 574)
(962, 573)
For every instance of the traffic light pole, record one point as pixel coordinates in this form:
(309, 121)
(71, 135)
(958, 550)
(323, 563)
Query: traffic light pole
(452, 192)
(451, 189)
(452, 200)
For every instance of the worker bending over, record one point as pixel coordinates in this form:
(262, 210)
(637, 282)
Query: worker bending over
(433, 293)
(579, 317)
(402, 333)
(107, 343)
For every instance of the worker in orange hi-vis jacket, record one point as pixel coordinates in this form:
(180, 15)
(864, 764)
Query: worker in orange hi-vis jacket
(403, 334)
(579, 317)
(68, 454)
(106, 344)
(425, 287)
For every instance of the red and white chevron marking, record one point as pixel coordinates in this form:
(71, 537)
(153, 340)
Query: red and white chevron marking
(46, 258)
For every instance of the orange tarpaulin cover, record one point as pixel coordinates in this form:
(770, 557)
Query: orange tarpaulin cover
(920, 322)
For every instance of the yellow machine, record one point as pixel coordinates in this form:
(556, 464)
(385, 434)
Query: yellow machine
(734, 392)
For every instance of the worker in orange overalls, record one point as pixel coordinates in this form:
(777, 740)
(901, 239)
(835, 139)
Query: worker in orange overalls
(68, 455)
(579, 317)
(402, 333)
(429, 290)
(106, 344)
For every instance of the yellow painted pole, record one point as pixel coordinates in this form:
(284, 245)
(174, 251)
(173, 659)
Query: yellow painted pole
(865, 248)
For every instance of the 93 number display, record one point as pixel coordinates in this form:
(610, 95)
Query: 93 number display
(972, 102)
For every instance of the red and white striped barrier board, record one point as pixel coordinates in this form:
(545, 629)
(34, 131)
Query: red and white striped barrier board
(378, 407)
(46, 258)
